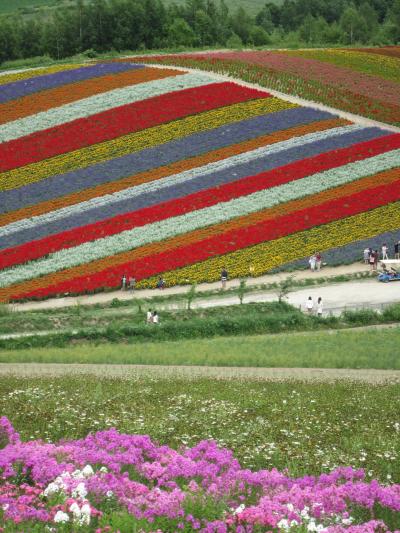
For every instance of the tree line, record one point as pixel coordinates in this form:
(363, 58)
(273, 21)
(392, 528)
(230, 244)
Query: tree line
(98, 26)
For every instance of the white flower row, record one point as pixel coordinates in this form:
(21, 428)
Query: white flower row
(201, 218)
(99, 103)
(175, 179)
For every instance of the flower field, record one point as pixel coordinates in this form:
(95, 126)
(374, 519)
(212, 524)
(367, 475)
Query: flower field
(169, 466)
(363, 81)
(120, 168)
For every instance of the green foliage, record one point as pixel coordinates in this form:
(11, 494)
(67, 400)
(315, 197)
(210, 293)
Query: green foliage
(191, 295)
(93, 27)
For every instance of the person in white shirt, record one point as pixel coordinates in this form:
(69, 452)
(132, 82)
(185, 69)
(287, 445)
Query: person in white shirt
(155, 318)
(366, 256)
(312, 262)
(310, 305)
(384, 251)
(319, 307)
(149, 317)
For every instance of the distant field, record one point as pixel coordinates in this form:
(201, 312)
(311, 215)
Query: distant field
(8, 6)
(341, 349)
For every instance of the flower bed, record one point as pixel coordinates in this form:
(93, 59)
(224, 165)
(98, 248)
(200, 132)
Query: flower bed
(110, 480)
(156, 171)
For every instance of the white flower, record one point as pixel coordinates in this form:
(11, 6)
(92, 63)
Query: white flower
(75, 510)
(85, 514)
(103, 470)
(77, 474)
(283, 524)
(88, 471)
(60, 516)
(52, 488)
(79, 491)
(109, 494)
(239, 509)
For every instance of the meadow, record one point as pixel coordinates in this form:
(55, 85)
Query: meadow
(331, 349)
(298, 428)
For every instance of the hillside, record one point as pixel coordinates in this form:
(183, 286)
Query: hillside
(10, 6)
(118, 168)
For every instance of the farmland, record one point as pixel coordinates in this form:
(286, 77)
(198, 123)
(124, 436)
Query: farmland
(364, 81)
(155, 171)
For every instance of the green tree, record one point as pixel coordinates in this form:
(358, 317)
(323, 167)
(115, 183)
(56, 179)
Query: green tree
(259, 37)
(180, 33)
(353, 25)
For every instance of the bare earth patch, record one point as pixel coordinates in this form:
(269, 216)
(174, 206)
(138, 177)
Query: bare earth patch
(195, 372)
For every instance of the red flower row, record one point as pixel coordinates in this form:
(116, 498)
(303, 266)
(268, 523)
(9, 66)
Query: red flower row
(199, 200)
(230, 241)
(120, 121)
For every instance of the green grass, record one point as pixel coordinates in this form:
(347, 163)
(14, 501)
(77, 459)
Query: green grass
(341, 349)
(307, 428)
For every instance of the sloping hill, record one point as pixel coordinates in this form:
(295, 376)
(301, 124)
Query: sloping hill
(118, 168)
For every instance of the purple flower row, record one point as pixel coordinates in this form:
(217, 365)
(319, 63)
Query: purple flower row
(163, 154)
(18, 89)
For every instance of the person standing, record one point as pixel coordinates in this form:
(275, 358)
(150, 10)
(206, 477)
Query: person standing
(312, 262)
(132, 283)
(366, 256)
(149, 317)
(224, 278)
(319, 307)
(155, 318)
(309, 305)
(371, 260)
(123, 283)
(318, 261)
(397, 250)
(376, 259)
(384, 251)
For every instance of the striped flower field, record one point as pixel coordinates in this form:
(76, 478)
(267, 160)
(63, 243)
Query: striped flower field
(121, 168)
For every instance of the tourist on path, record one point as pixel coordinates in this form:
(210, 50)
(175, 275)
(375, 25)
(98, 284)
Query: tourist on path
(376, 259)
(224, 278)
(310, 305)
(384, 251)
(318, 261)
(366, 256)
(123, 283)
(132, 283)
(397, 250)
(312, 261)
(319, 307)
(371, 260)
(160, 283)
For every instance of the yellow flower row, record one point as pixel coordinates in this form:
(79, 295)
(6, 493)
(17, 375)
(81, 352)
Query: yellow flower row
(17, 76)
(134, 142)
(263, 257)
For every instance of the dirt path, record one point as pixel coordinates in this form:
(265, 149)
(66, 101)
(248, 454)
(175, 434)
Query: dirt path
(194, 372)
(105, 297)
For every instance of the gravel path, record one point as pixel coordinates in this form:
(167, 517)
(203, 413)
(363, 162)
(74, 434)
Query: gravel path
(194, 372)
(105, 297)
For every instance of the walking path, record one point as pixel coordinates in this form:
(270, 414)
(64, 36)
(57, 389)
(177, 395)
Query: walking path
(105, 297)
(29, 370)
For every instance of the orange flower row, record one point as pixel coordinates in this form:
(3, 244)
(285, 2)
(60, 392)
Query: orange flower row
(161, 172)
